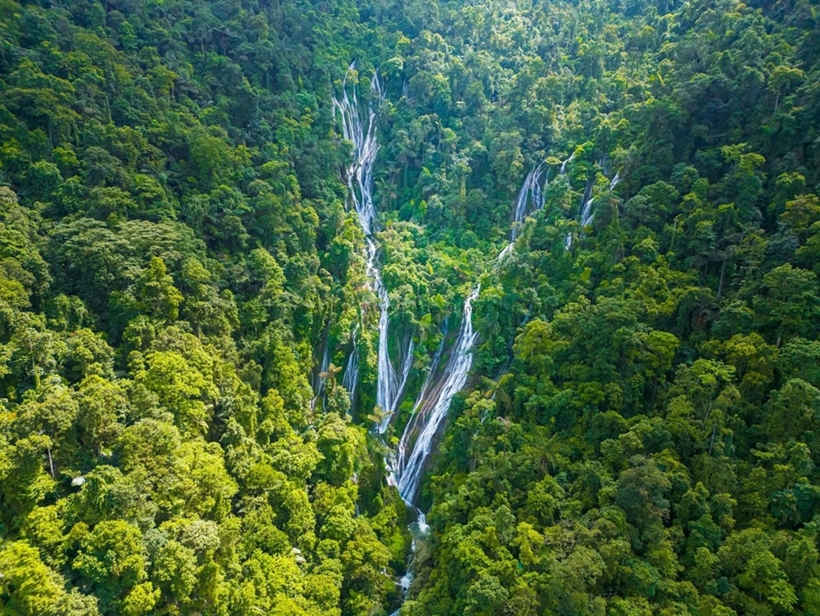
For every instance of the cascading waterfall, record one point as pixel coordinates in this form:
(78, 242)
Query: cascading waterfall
(321, 375)
(568, 239)
(530, 197)
(350, 378)
(399, 461)
(429, 412)
(365, 148)
(566, 162)
(390, 383)
(408, 474)
(435, 396)
(441, 385)
(587, 213)
(404, 471)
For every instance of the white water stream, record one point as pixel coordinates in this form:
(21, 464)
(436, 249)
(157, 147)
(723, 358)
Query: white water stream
(400, 459)
(361, 132)
(587, 213)
(432, 406)
(320, 378)
(530, 197)
(350, 378)
(406, 467)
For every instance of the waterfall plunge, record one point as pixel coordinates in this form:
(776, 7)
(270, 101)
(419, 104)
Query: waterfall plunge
(587, 213)
(530, 197)
(350, 378)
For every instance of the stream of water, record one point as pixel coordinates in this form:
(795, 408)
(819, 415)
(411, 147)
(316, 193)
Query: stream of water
(431, 408)
(360, 129)
(406, 466)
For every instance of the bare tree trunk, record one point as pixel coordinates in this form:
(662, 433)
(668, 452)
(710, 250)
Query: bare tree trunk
(51, 463)
(722, 272)
(711, 444)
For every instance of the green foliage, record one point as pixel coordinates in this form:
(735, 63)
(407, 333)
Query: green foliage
(647, 399)
(641, 429)
(170, 248)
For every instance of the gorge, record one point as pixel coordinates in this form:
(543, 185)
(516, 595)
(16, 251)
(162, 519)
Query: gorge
(432, 307)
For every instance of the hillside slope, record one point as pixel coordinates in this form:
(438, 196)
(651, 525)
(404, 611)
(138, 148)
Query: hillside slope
(183, 284)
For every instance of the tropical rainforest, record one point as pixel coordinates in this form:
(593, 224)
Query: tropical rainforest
(190, 336)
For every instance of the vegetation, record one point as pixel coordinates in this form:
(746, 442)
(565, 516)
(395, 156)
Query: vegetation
(641, 430)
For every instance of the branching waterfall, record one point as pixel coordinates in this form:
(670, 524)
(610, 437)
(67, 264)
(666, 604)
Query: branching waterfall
(587, 213)
(350, 378)
(531, 198)
(406, 467)
(320, 377)
(400, 459)
(431, 411)
(362, 134)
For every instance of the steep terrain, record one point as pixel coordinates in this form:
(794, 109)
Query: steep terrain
(279, 279)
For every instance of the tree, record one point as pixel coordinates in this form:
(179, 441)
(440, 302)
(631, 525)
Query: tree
(111, 560)
(180, 387)
(102, 404)
(51, 413)
(790, 305)
(156, 293)
(27, 586)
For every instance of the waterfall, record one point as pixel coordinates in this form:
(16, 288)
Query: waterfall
(365, 148)
(404, 470)
(531, 194)
(321, 374)
(587, 214)
(408, 470)
(565, 163)
(434, 399)
(399, 459)
(390, 383)
(362, 133)
(350, 378)
(531, 197)
(429, 412)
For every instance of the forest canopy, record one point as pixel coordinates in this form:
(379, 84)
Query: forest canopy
(184, 285)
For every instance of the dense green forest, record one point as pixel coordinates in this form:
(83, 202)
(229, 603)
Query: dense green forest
(640, 430)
